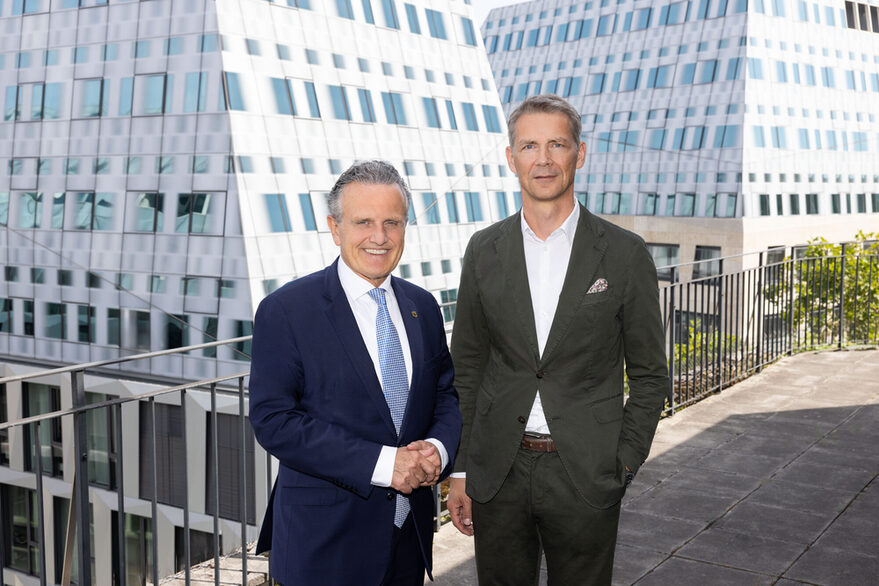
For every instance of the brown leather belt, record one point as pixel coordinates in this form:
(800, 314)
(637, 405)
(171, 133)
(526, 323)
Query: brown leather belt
(538, 444)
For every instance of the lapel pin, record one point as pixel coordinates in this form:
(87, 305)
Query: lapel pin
(414, 314)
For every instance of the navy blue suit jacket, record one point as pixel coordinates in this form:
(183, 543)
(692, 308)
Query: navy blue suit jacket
(317, 406)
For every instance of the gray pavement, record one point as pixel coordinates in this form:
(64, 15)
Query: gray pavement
(772, 481)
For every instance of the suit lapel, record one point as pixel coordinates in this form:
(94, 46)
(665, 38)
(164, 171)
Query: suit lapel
(510, 249)
(412, 323)
(342, 319)
(586, 254)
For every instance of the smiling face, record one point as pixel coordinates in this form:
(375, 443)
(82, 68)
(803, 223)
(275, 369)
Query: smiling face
(371, 231)
(545, 156)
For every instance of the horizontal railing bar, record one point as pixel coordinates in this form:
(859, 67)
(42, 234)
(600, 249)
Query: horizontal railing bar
(100, 363)
(121, 400)
(744, 254)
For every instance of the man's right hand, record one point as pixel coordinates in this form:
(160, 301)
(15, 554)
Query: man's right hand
(460, 506)
(411, 469)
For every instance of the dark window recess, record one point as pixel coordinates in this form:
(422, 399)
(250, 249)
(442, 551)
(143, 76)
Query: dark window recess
(170, 453)
(228, 467)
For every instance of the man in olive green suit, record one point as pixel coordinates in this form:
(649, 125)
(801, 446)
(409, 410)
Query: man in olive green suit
(553, 304)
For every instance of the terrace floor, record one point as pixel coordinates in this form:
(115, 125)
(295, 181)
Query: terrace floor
(772, 481)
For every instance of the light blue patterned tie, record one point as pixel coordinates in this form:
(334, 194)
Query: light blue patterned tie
(395, 383)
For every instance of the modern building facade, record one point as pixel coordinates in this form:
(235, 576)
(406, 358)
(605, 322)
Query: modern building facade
(713, 127)
(163, 167)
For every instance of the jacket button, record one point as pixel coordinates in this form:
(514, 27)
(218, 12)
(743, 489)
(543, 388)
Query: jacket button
(540, 374)
(521, 419)
(390, 496)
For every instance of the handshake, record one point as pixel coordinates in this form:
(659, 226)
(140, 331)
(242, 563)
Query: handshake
(417, 464)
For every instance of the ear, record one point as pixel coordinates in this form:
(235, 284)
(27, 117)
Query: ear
(334, 230)
(510, 162)
(581, 154)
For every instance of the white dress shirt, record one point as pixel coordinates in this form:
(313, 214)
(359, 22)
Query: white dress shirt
(547, 264)
(365, 311)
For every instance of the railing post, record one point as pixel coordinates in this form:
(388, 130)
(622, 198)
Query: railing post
(790, 308)
(758, 299)
(41, 518)
(671, 348)
(841, 298)
(81, 477)
(244, 476)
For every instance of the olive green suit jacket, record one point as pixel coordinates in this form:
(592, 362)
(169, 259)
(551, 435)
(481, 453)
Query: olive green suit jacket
(498, 367)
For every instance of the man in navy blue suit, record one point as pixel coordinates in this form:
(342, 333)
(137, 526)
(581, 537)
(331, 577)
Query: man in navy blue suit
(351, 390)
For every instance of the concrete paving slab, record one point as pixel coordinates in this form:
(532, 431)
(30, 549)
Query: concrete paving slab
(725, 460)
(684, 572)
(826, 501)
(630, 563)
(655, 533)
(683, 504)
(713, 482)
(856, 530)
(835, 567)
(784, 524)
(826, 475)
(745, 551)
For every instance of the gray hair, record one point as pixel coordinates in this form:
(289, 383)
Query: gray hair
(371, 173)
(545, 104)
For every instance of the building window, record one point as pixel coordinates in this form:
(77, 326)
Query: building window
(56, 321)
(473, 206)
(452, 207)
(764, 204)
(101, 442)
(446, 266)
(708, 262)
(93, 211)
(148, 212)
(436, 24)
(40, 399)
(811, 203)
(664, 256)
(366, 109)
(470, 116)
(394, 111)
(21, 535)
(448, 299)
(4, 413)
(195, 93)
(138, 540)
(279, 218)
(431, 211)
(201, 547)
(794, 199)
(241, 350)
(389, 9)
(234, 99)
(194, 213)
(502, 210)
(176, 331)
(341, 111)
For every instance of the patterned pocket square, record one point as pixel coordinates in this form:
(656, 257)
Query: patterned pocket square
(598, 286)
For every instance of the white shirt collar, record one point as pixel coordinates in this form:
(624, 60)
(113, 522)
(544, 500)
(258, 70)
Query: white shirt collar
(568, 227)
(354, 285)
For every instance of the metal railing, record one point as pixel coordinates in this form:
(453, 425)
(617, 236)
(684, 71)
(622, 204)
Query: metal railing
(725, 327)
(78, 528)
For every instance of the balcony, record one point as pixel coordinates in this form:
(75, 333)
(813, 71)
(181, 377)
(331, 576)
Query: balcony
(146, 481)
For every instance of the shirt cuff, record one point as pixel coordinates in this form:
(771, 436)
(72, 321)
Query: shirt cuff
(444, 455)
(383, 473)
(458, 475)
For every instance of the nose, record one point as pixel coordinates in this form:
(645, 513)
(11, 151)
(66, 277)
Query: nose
(379, 233)
(543, 157)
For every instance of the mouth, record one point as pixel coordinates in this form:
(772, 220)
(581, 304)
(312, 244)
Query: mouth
(375, 251)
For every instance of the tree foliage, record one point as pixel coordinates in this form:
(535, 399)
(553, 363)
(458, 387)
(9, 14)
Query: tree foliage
(828, 277)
